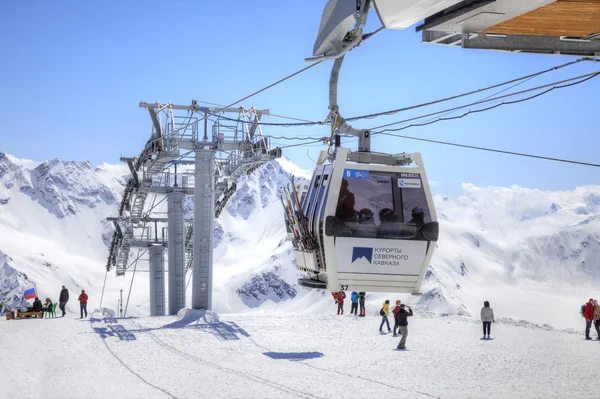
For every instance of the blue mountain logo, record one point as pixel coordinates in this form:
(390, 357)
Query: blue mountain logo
(361, 252)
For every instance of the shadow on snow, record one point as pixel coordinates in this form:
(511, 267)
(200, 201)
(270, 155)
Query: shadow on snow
(294, 356)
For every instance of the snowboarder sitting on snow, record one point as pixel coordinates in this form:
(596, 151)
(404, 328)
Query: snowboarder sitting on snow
(396, 309)
(354, 298)
(384, 312)
(588, 313)
(339, 300)
(487, 317)
(83, 298)
(401, 319)
(361, 302)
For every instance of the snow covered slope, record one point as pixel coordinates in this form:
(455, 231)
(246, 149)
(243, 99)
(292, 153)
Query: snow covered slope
(52, 223)
(533, 254)
(290, 355)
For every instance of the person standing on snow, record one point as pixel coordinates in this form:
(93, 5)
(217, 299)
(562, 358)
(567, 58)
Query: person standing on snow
(384, 312)
(597, 317)
(354, 299)
(487, 317)
(396, 309)
(339, 300)
(63, 299)
(361, 302)
(83, 298)
(401, 319)
(588, 313)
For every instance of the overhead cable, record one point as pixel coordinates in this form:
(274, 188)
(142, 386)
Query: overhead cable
(553, 86)
(395, 111)
(495, 150)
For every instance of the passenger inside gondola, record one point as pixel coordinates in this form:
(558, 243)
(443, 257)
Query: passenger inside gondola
(387, 210)
(389, 223)
(367, 225)
(345, 206)
(418, 217)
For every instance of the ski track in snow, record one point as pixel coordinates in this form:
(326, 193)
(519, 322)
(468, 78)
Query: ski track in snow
(282, 355)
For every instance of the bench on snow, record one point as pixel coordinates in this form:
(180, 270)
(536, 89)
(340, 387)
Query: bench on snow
(20, 315)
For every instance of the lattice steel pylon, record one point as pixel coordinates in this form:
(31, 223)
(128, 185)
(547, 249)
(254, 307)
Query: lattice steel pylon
(233, 146)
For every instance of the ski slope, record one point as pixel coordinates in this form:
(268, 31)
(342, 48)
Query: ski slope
(288, 355)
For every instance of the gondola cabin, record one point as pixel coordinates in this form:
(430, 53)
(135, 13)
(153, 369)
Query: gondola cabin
(366, 223)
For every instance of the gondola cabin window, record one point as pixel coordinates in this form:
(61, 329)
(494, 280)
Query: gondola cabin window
(383, 204)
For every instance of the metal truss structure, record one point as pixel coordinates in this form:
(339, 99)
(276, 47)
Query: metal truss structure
(212, 152)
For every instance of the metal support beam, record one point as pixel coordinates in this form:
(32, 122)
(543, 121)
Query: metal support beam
(534, 44)
(157, 280)
(114, 219)
(192, 107)
(155, 122)
(176, 246)
(338, 124)
(517, 43)
(204, 211)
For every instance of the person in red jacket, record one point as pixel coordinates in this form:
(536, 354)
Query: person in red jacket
(396, 309)
(588, 313)
(339, 300)
(83, 298)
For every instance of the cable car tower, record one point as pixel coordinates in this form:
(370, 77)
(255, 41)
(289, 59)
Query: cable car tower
(220, 154)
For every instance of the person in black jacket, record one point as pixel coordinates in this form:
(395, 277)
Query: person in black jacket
(63, 299)
(37, 305)
(361, 302)
(401, 320)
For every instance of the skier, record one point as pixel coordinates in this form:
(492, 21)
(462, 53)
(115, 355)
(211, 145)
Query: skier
(597, 317)
(487, 317)
(63, 299)
(354, 299)
(384, 312)
(588, 313)
(401, 319)
(83, 298)
(339, 300)
(396, 309)
(361, 302)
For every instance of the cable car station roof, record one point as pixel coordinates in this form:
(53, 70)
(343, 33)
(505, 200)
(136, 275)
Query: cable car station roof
(569, 27)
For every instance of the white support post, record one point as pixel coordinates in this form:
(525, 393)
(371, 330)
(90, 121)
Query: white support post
(176, 246)
(157, 280)
(204, 213)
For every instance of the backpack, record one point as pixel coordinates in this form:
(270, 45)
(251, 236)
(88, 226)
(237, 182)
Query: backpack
(381, 312)
(582, 312)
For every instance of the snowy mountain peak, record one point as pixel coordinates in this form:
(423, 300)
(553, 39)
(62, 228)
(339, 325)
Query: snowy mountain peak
(62, 187)
(519, 248)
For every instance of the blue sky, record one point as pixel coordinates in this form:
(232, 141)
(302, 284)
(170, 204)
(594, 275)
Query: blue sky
(73, 73)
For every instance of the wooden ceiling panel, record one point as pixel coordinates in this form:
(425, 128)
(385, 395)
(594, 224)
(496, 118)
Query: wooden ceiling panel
(577, 18)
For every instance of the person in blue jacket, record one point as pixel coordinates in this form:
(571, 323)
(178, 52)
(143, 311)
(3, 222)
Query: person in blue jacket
(354, 299)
